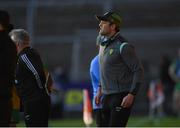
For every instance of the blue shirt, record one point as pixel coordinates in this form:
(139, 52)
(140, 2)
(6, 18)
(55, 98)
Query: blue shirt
(95, 78)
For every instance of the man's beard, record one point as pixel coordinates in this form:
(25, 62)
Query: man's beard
(103, 33)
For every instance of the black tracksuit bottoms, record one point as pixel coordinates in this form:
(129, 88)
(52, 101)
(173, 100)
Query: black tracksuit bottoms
(36, 112)
(113, 114)
(99, 118)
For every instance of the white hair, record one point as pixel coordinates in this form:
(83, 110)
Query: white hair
(20, 36)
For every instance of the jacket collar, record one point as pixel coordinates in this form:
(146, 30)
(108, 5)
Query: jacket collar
(109, 40)
(23, 50)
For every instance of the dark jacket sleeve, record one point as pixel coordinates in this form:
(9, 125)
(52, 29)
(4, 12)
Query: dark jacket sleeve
(130, 58)
(34, 64)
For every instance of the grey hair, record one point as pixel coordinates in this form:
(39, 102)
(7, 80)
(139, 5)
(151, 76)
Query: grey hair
(20, 36)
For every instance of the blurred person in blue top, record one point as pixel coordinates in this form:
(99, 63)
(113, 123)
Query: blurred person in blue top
(95, 79)
(94, 73)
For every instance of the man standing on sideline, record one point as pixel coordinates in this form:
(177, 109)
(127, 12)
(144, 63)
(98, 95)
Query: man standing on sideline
(8, 55)
(31, 81)
(120, 70)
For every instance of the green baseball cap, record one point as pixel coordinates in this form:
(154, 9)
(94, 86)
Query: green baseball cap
(112, 17)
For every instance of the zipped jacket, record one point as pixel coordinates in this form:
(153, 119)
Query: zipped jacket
(30, 75)
(121, 70)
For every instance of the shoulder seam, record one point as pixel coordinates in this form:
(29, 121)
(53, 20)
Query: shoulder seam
(32, 69)
(121, 46)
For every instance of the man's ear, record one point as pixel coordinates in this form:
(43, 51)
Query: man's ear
(113, 26)
(18, 44)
